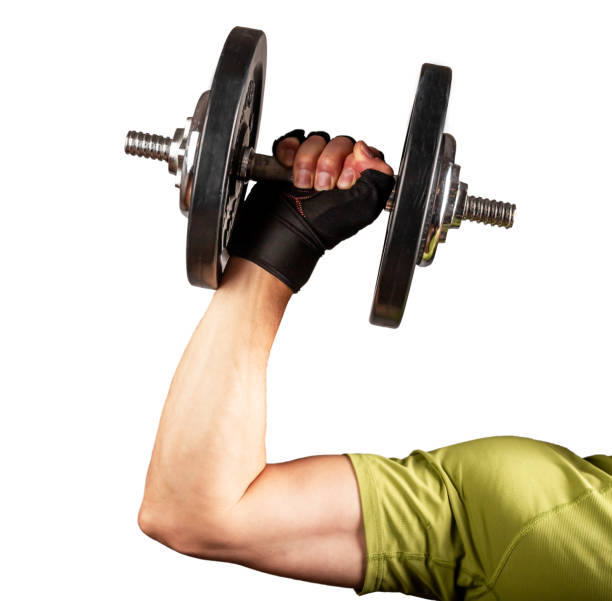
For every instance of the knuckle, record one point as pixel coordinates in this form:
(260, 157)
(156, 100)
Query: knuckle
(328, 163)
(282, 145)
(289, 142)
(345, 140)
(317, 138)
(304, 162)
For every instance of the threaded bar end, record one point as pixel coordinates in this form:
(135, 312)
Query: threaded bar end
(149, 146)
(493, 212)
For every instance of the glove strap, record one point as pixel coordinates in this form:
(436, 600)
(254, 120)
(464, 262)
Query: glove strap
(281, 242)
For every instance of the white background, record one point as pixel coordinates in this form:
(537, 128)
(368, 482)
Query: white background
(507, 333)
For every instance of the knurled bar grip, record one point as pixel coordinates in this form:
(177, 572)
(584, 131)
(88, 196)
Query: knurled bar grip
(267, 168)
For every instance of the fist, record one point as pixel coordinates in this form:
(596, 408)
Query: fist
(325, 165)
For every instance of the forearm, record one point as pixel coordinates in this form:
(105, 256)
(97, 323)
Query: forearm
(210, 492)
(210, 444)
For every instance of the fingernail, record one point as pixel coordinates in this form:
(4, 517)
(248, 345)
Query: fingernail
(323, 181)
(286, 156)
(303, 179)
(346, 178)
(366, 150)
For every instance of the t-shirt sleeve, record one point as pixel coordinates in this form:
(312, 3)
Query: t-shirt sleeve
(444, 524)
(412, 540)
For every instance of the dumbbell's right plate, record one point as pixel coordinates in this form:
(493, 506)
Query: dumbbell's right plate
(413, 191)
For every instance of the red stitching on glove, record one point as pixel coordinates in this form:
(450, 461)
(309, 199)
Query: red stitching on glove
(298, 202)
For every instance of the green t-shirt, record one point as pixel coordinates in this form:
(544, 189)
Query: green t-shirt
(504, 519)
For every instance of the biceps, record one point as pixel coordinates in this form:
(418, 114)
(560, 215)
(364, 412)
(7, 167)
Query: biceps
(302, 519)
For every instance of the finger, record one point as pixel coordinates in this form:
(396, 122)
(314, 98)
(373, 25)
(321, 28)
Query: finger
(286, 149)
(348, 175)
(369, 158)
(377, 153)
(305, 162)
(331, 161)
(359, 160)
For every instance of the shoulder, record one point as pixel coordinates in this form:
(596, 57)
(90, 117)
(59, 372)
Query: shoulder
(498, 485)
(514, 466)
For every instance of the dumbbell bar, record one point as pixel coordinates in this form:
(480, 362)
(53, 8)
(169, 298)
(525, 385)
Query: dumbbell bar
(263, 167)
(214, 156)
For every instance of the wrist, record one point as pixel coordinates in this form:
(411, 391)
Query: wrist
(249, 303)
(249, 278)
(254, 295)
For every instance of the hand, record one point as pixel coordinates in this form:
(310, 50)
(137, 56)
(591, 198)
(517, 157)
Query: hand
(285, 229)
(324, 164)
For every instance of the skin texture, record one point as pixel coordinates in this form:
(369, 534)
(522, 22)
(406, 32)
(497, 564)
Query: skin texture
(324, 167)
(209, 491)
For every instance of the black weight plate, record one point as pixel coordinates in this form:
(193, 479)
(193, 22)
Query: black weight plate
(232, 122)
(412, 195)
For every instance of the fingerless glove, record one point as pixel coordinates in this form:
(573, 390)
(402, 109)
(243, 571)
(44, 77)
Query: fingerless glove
(285, 230)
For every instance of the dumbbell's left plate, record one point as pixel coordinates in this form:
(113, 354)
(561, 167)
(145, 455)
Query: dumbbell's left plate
(232, 123)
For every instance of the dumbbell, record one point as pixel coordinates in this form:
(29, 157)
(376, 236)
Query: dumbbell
(213, 157)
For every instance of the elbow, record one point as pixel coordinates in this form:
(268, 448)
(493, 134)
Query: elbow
(150, 522)
(189, 531)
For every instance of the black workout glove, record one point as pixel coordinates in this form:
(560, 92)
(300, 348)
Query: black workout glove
(285, 230)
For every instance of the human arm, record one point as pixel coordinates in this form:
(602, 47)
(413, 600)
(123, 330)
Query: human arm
(210, 492)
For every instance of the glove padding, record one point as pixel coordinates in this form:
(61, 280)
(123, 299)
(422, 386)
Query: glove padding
(285, 230)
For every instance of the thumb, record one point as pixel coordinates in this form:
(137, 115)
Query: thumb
(367, 157)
